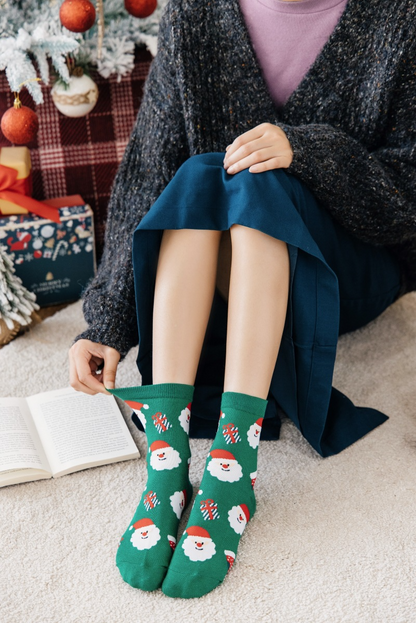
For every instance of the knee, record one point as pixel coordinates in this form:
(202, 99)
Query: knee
(236, 227)
(200, 161)
(239, 232)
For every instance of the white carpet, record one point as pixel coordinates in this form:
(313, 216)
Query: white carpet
(333, 540)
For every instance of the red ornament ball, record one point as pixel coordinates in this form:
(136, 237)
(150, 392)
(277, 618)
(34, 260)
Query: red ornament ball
(20, 125)
(140, 8)
(77, 15)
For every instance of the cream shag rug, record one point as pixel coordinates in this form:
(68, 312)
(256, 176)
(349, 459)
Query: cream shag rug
(333, 540)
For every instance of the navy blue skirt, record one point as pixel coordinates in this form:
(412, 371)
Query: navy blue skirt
(337, 284)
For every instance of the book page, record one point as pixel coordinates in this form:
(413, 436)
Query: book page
(78, 430)
(20, 445)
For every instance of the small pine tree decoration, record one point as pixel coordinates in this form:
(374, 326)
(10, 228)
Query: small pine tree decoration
(17, 304)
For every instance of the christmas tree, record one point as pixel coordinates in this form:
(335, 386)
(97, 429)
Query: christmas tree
(31, 30)
(17, 304)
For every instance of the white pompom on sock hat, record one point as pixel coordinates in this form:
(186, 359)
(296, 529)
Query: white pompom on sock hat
(136, 406)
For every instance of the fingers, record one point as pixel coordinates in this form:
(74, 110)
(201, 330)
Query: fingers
(273, 163)
(264, 130)
(84, 360)
(247, 137)
(247, 153)
(256, 157)
(80, 374)
(111, 360)
(263, 148)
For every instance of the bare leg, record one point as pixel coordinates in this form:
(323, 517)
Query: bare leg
(185, 283)
(257, 304)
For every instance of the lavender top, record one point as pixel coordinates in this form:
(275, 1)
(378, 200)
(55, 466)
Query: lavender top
(287, 37)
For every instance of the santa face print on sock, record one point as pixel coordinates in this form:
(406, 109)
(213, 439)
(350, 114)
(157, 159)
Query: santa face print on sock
(253, 433)
(145, 534)
(137, 408)
(163, 456)
(185, 418)
(198, 545)
(178, 502)
(238, 517)
(224, 466)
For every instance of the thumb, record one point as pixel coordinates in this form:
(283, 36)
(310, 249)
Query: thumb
(111, 360)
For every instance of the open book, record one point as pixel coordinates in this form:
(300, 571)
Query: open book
(56, 433)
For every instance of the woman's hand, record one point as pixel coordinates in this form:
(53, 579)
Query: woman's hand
(85, 358)
(263, 148)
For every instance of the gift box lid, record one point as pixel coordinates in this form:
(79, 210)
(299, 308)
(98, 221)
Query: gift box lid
(65, 202)
(78, 210)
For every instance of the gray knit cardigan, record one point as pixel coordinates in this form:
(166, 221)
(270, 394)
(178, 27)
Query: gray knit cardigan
(351, 123)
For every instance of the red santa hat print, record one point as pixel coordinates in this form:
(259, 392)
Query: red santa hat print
(198, 532)
(159, 445)
(137, 408)
(223, 455)
(142, 523)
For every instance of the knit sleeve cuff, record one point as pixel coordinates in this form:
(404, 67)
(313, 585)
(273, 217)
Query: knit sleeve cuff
(301, 158)
(114, 336)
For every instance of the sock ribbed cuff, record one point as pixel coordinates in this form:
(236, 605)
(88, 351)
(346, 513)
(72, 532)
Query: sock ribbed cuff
(244, 402)
(160, 390)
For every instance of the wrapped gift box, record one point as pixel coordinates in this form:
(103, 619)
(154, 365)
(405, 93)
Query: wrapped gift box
(15, 163)
(16, 183)
(54, 260)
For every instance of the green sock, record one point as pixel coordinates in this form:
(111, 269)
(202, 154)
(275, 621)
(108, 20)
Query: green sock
(147, 545)
(224, 504)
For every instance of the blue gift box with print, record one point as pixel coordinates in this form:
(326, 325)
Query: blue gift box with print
(54, 260)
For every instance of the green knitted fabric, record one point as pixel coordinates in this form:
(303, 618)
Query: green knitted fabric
(146, 547)
(224, 504)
